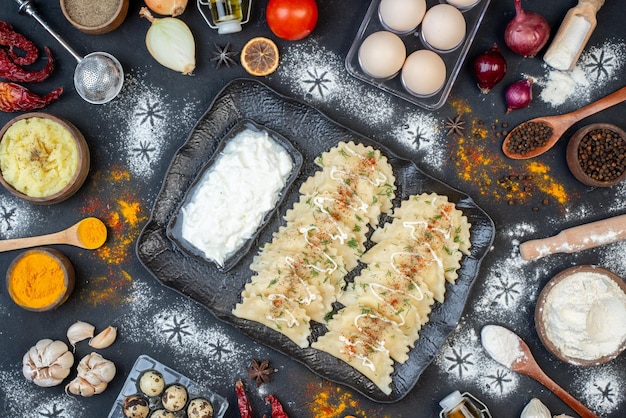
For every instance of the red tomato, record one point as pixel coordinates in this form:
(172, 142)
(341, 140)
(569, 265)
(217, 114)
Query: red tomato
(291, 19)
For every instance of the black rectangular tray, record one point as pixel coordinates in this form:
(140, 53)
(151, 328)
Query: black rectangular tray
(311, 133)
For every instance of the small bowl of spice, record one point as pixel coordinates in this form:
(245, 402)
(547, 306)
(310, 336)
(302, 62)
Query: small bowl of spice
(43, 159)
(40, 279)
(596, 155)
(95, 16)
(580, 314)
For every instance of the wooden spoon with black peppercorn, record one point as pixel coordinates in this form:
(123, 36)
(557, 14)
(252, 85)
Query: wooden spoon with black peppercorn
(536, 136)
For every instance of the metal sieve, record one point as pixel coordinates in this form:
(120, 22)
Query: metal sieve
(98, 77)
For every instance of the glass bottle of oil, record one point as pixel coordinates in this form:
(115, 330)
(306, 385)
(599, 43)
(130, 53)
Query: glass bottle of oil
(227, 15)
(457, 405)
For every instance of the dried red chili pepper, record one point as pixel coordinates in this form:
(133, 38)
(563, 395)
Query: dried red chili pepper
(13, 72)
(14, 97)
(9, 37)
(242, 400)
(277, 408)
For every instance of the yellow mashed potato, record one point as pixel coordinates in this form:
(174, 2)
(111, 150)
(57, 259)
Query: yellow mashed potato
(38, 156)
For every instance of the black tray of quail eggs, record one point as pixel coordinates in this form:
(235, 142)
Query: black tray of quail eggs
(154, 390)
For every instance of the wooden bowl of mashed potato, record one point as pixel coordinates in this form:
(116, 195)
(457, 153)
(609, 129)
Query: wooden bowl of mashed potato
(44, 159)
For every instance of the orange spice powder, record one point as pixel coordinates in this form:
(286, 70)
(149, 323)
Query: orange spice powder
(492, 174)
(123, 215)
(329, 401)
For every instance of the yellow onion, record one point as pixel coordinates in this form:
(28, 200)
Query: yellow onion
(170, 42)
(167, 7)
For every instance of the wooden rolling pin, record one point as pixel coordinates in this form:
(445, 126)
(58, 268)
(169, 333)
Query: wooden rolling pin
(577, 238)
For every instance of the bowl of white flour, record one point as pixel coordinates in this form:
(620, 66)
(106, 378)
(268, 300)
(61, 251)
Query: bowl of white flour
(580, 315)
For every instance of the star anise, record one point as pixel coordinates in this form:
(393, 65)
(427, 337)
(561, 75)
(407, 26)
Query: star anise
(455, 126)
(260, 371)
(224, 56)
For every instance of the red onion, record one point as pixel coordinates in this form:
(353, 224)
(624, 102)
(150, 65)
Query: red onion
(489, 68)
(526, 33)
(519, 94)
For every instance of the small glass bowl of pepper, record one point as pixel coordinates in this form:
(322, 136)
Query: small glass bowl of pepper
(40, 279)
(596, 155)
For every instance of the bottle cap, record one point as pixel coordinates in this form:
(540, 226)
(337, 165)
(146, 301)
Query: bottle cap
(451, 401)
(230, 26)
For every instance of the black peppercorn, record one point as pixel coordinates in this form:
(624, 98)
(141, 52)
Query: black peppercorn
(528, 136)
(602, 155)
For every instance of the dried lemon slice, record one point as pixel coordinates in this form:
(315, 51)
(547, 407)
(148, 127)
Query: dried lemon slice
(260, 56)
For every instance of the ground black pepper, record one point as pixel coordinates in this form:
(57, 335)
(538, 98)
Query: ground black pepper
(602, 154)
(528, 136)
(91, 13)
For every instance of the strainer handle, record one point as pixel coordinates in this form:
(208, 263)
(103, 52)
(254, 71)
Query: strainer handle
(25, 6)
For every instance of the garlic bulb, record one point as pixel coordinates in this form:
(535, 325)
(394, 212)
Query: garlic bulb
(47, 363)
(170, 42)
(94, 374)
(104, 338)
(535, 409)
(79, 331)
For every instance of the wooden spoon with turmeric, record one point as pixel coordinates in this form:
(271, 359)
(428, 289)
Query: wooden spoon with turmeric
(89, 233)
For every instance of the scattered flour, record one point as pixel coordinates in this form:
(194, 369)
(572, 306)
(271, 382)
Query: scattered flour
(146, 129)
(597, 66)
(23, 399)
(210, 352)
(17, 217)
(600, 388)
(464, 360)
(319, 76)
(509, 285)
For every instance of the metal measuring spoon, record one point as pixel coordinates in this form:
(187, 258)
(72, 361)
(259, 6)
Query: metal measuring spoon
(98, 77)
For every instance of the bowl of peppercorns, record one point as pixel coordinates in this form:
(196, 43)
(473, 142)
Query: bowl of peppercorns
(596, 155)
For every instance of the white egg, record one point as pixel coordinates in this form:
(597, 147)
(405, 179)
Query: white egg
(401, 16)
(463, 4)
(423, 73)
(382, 54)
(443, 27)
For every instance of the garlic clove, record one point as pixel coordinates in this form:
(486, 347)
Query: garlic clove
(79, 331)
(104, 338)
(535, 409)
(58, 371)
(53, 352)
(80, 386)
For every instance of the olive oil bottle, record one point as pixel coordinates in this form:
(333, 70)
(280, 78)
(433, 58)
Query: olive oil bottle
(227, 15)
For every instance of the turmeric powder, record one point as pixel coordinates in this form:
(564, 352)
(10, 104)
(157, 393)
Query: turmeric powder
(92, 233)
(37, 280)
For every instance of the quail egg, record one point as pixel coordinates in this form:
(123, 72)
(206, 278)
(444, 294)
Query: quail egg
(200, 408)
(135, 406)
(174, 398)
(162, 413)
(151, 383)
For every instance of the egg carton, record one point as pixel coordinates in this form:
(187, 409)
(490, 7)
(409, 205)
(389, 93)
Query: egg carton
(413, 41)
(171, 376)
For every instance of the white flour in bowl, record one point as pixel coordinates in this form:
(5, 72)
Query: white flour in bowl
(584, 316)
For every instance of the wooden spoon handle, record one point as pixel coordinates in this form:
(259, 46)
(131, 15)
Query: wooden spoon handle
(572, 402)
(29, 242)
(595, 107)
(578, 238)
